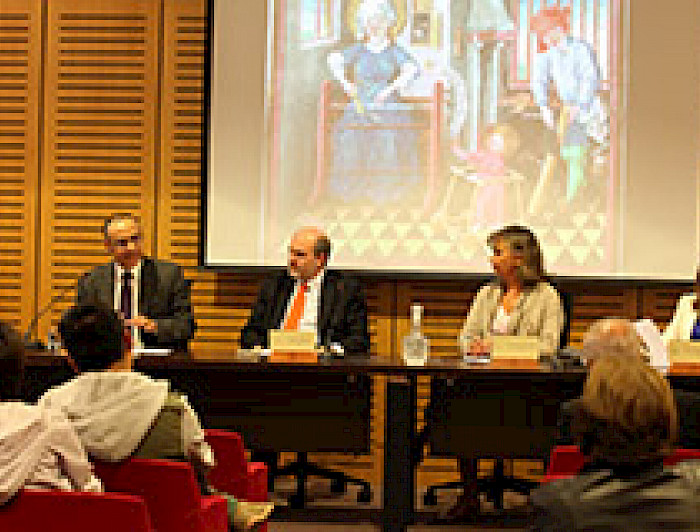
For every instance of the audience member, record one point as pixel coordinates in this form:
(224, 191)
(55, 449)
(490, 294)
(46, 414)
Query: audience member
(38, 447)
(617, 337)
(118, 413)
(625, 422)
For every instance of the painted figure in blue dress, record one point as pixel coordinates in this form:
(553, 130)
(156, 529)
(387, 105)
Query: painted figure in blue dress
(373, 157)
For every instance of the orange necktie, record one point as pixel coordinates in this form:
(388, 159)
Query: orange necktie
(297, 310)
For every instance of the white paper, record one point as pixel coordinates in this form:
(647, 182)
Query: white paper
(651, 336)
(151, 352)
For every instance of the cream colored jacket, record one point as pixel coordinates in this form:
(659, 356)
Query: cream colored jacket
(538, 312)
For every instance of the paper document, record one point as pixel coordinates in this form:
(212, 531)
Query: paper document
(651, 336)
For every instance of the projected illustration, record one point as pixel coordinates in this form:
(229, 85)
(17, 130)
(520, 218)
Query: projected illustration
(410, 129)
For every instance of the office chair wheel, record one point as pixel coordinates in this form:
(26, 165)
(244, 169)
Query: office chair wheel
(430, 498)
(365, 495)
(296, 502)
(338, 485)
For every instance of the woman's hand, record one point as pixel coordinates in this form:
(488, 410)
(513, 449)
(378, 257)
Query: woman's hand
(383, 95)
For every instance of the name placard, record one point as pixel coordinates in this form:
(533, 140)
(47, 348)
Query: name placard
(515, 347)
(684, 351)
(291, 341)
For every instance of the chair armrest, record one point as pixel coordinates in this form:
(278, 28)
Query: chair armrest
(256, 485)
(215, 513)
(551, 478)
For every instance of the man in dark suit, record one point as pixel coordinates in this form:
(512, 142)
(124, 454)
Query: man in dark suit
(151, 295)
(326, 301)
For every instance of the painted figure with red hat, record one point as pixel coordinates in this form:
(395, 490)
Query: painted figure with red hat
(569, 65)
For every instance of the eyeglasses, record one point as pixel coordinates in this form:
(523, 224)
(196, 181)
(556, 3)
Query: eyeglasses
(123, 242)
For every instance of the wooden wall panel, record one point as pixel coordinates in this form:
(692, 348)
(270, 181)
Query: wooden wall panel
(608, 299)
(100, 103)
(20, 81)
(659, 302)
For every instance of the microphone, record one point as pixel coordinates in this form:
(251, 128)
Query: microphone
(38, 345)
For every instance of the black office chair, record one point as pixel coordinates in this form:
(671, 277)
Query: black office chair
(346, 393)
(301, 469)
(11, 363)
(495, 485)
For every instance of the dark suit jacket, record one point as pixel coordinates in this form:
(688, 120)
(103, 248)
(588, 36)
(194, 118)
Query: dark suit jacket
(602, 500)
(164, 296)
(687, 404)
(342, 315)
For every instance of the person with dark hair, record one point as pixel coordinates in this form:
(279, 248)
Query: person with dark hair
(118, 413)
(152, 295)
(38, 447)
(308, 297)
(625, 421)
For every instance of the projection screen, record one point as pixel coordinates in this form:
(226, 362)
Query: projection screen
(411, 129)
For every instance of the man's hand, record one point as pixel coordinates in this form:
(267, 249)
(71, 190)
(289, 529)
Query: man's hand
(147, 324)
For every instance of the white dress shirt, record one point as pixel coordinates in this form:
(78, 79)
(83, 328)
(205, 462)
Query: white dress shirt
(312, 303)
(135, 281)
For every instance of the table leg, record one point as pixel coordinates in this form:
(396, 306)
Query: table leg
(399, 477)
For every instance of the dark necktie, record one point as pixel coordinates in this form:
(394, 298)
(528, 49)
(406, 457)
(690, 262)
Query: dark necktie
(125, 306)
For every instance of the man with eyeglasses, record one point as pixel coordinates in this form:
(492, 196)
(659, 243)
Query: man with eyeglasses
(151, 295)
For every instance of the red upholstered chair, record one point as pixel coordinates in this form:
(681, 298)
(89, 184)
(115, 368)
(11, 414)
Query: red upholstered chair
(171, 492)
(70, 511)
(233, 474)
(679, 455)
(565, 461)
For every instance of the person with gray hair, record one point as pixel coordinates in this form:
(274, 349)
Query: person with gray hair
(613, 337)
(618, 337)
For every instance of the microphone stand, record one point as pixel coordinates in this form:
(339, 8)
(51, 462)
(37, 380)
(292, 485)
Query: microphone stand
(36, 344)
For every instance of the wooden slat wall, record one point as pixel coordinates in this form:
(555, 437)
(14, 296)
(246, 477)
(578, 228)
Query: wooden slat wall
(100, 102)
(20, 75)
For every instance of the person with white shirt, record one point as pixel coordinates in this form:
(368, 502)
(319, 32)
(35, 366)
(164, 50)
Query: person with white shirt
(151, 295)
(308, 297)
(685, 324)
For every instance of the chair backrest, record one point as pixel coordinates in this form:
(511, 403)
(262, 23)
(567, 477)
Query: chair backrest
(69, 511)
(230, 472)
(567, 302)
(169, 488)
(680, 455)
(565, 460)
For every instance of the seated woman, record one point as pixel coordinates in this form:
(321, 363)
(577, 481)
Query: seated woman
(38, 448)
(625, 422)
(519, 302)
(685, 324)
(118, 413)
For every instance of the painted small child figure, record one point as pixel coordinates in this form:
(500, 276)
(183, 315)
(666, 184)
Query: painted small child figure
(487, 170)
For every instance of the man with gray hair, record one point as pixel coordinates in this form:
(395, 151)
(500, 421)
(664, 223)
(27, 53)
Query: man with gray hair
(612, 337)
(618, 337)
